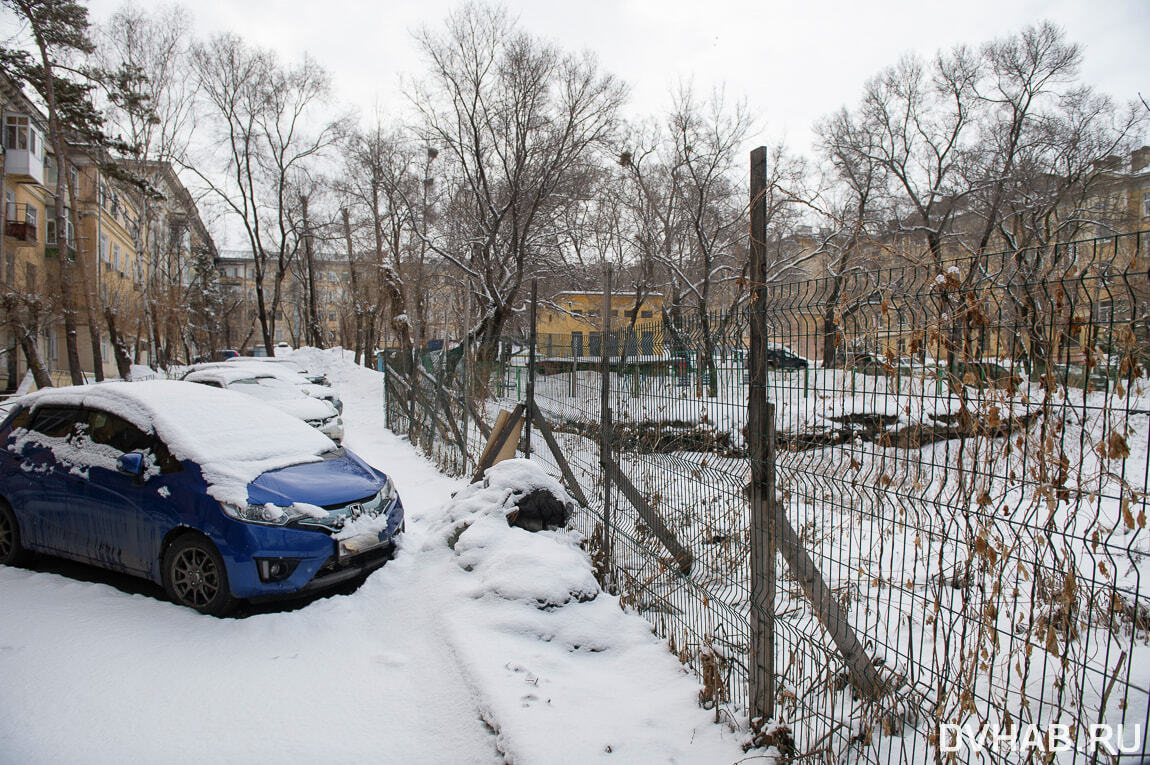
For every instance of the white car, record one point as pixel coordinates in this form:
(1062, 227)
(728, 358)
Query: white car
(275, 362)
(283, 395)
(284, 370)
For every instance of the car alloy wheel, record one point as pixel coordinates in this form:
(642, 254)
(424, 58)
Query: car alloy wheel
(194, 576)
(11, 552)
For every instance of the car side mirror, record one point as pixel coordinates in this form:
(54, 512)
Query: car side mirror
(131, 464)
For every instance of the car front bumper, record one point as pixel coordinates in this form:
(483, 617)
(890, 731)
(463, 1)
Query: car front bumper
(319, 564)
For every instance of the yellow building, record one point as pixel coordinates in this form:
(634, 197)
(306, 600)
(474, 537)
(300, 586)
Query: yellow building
(28, 308)
(109, 226)
(570, 325)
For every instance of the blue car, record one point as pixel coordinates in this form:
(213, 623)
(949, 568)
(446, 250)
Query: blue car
(211, 494)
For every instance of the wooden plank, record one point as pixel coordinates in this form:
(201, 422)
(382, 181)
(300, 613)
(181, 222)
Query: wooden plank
(652, 518)
(860, 669)
(498, 443)
(549, 437)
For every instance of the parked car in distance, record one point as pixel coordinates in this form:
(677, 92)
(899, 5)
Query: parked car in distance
(213, 495)
(281, 363)
(267, 387)
(285, 372)
(781, 358)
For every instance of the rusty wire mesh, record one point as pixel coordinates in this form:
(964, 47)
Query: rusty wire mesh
(962, 450)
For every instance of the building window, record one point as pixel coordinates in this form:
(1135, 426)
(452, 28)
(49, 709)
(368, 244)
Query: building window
(1146, 204)
(116, 256)
(331, 315)
(31, 216)
(102, 250)
(50, 231)
(645, 314)
(16, 132)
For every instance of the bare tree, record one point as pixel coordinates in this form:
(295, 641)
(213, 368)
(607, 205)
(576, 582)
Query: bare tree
(916, 121)
(60, 32)
(851, 208)
(268, 122)
(388, 186)
(516, 119)
(147, 53)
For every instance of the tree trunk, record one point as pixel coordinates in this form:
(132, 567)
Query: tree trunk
(10, 358)
(27, 339)
(123, 361)
(71, 346)
(314, 332)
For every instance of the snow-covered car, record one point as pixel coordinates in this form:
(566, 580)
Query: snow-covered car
(316, 378)
(269, 388)
(314, 385)
(213, 495)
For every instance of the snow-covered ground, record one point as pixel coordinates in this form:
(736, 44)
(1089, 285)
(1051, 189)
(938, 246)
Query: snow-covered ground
(445, 655)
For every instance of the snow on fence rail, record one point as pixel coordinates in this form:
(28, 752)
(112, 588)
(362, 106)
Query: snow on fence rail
(961, 450)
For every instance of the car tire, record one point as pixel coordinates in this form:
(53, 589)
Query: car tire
(195, 576)
(12, 552)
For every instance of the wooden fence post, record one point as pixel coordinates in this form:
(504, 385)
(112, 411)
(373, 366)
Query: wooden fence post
(760, 433)
(771, 530)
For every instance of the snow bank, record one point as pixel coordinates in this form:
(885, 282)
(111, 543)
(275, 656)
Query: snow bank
(503, 485)
(561, 672)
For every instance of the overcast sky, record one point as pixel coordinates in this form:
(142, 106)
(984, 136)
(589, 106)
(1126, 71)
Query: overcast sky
(793, 61)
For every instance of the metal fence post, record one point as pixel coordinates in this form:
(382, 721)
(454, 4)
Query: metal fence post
(531, 343)
(605, 409)
(381, 363)
(465, 373)
(761, 433)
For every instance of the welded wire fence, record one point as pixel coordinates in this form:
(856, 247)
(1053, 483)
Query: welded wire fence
(961, 451)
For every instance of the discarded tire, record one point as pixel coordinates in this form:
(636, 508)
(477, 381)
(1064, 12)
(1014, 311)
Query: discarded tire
(539, 510)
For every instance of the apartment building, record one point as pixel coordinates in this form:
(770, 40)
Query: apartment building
(27, 306)
(126, 245)
(237, 276)
(571, 324)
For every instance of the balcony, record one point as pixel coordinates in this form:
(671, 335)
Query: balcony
(18, 224)
(24, 166)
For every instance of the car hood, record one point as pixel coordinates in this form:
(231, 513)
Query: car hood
(305, 408)
(319, 391)
(334, 481)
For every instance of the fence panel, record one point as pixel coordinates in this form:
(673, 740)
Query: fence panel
(962, 451)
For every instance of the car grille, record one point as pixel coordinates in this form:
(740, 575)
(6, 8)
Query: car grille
(339, 513)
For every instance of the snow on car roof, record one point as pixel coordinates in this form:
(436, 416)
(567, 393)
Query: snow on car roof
(266, 360)
(234, 438)
(227, 375)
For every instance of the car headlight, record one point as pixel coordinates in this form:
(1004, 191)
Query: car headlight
(387, 493)
(268, 514)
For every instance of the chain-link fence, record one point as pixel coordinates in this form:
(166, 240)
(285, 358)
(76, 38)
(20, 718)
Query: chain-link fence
(961, 454)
